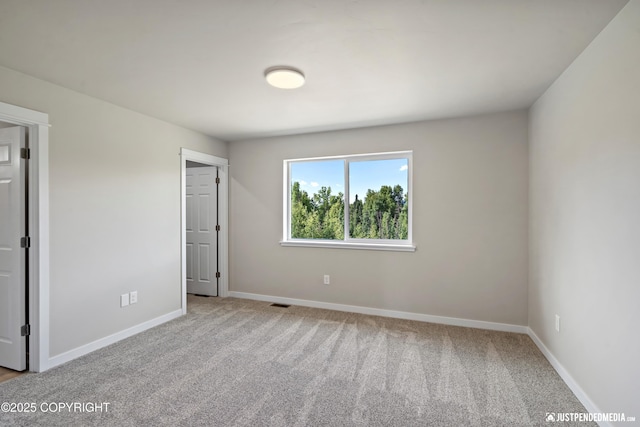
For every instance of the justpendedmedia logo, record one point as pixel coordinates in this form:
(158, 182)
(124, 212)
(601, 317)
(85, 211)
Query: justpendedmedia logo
(598, 417)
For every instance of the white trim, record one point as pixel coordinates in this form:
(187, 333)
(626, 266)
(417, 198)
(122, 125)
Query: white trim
(223, 218)
(207, 159)
(23, 116)
(348, 245)
(286, 201)
(38, 124)
(388, 155)
(567, 378)
(453, 321)
(111, 339)
(410, 195)
(347, 198)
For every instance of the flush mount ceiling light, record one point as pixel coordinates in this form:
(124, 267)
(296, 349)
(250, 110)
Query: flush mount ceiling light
(284, 77)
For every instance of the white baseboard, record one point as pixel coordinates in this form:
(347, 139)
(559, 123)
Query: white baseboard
(111, 339)
(453, 321)
(567, 378)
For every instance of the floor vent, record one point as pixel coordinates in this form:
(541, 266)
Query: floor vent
(280, 305)
(200, 295)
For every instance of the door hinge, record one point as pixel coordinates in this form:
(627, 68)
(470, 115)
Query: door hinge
(217, 274)
(217, 180)
(25, 330)
(25, 242)
(218, 227)
(25, 153)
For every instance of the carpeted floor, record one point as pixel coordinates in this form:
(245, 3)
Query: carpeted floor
(233, 362)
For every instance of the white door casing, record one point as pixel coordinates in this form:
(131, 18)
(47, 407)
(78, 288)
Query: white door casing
(12, 255)
(223, 219)
(38, 181)
(200, 223)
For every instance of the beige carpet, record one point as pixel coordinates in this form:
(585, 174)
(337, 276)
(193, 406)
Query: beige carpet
(235, 362)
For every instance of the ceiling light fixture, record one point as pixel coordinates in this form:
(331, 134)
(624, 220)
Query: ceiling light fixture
(284, 77)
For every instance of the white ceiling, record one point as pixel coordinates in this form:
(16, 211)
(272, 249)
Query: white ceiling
(200, 63)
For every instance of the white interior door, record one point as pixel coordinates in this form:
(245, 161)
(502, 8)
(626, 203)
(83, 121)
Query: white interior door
(13, 352)
(201, 221)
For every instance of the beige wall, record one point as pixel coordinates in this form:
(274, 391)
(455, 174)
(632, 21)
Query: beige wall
(115, 210)
(470, 222)
(585, 216)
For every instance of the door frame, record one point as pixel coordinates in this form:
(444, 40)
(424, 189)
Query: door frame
(223, 219)
(38, 219)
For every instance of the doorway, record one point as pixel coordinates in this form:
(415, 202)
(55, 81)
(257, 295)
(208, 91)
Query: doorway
(204, 224)
(28, 233)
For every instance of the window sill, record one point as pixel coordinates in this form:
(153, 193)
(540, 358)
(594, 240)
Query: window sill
(349, 245)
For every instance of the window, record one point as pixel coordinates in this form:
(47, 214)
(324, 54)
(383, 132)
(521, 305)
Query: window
(356, 201)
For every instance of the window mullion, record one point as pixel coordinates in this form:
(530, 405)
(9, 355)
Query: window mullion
(346, 199)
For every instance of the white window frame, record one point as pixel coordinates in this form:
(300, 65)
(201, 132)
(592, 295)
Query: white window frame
(348, 242)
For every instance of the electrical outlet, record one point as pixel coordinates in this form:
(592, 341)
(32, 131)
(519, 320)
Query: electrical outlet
(133, 297)
(327, 279)
(124, 300)
(557, 323)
